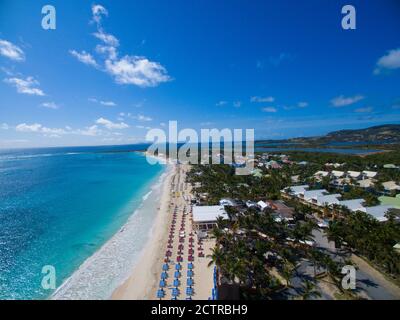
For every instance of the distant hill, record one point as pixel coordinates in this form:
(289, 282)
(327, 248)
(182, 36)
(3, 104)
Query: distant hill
(388, 132)
(383, 133)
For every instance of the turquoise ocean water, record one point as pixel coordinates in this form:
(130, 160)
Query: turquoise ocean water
(58, 206)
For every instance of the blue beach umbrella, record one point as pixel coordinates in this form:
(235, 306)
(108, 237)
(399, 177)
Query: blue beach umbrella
(190, 266)
(178, 266)
(164, 275)
(160, 293)
(189, 291)
(165, 267)
(177, 274)
(190, 273)
(162, 283)
(175, 292)
(176, 283)
(189, 282)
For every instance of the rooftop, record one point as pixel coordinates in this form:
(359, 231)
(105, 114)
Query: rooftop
(208, 213)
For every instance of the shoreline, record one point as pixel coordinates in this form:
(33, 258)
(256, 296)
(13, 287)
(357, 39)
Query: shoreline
(113, 260)
(144, 275)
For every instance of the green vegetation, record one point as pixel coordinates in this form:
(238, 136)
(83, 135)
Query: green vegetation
(374, 240)
(251, 248)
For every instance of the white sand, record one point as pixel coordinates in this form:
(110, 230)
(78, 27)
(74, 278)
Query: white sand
(144, 279)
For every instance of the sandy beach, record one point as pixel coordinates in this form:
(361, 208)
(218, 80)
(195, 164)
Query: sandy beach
(143, 282)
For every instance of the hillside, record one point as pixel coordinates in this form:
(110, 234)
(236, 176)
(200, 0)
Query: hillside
(383, 133)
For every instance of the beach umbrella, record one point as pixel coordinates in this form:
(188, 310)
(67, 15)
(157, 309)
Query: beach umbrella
(189, 282)
(190, 273)
(175, 292)
(177, 274)
(189, 291)
(190, 266)
(162, 283)
(164, 275)
(191, 258)
(178, 266)
(191, 239)
(180, 246)
(190, 251)
(176, 283)
(160, 293)
(165, 267)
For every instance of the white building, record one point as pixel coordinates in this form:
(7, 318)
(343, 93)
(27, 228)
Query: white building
(262, 205)
(366, 183)
(321, 174)
(369, 174)
(378, 212)
(390, 186)
(337, 174)
(297, 190)
(312, 195)
(329, 199)
(205, 217)
(354, 174)
(353, 205)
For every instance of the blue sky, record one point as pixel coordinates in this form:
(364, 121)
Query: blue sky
(113, 69)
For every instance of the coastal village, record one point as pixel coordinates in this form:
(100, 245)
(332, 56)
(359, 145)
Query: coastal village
(306, 193)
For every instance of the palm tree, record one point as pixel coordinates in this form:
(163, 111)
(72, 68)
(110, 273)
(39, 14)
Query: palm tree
(309, 291)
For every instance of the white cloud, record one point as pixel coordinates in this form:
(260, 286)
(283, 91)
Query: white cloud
(269, 109)
(38, 128)
(302, 104)
(137, 70)
(11, 51)
(390, 61)
(111, 125)
(23, 127)
(221, 103)
(108, 51)
(49, 105)
(130, 69)
(25, 86)
(108, 103)
(90, 131)
(108, 39)
(141, 117)
(84, 57)
(343, 101)
(98, 11)
(262, 99)
(4, 126)
(364, 110)
(102, 102)
(237, 104)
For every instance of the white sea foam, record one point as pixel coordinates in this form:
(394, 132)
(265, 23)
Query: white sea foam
(111, 265)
